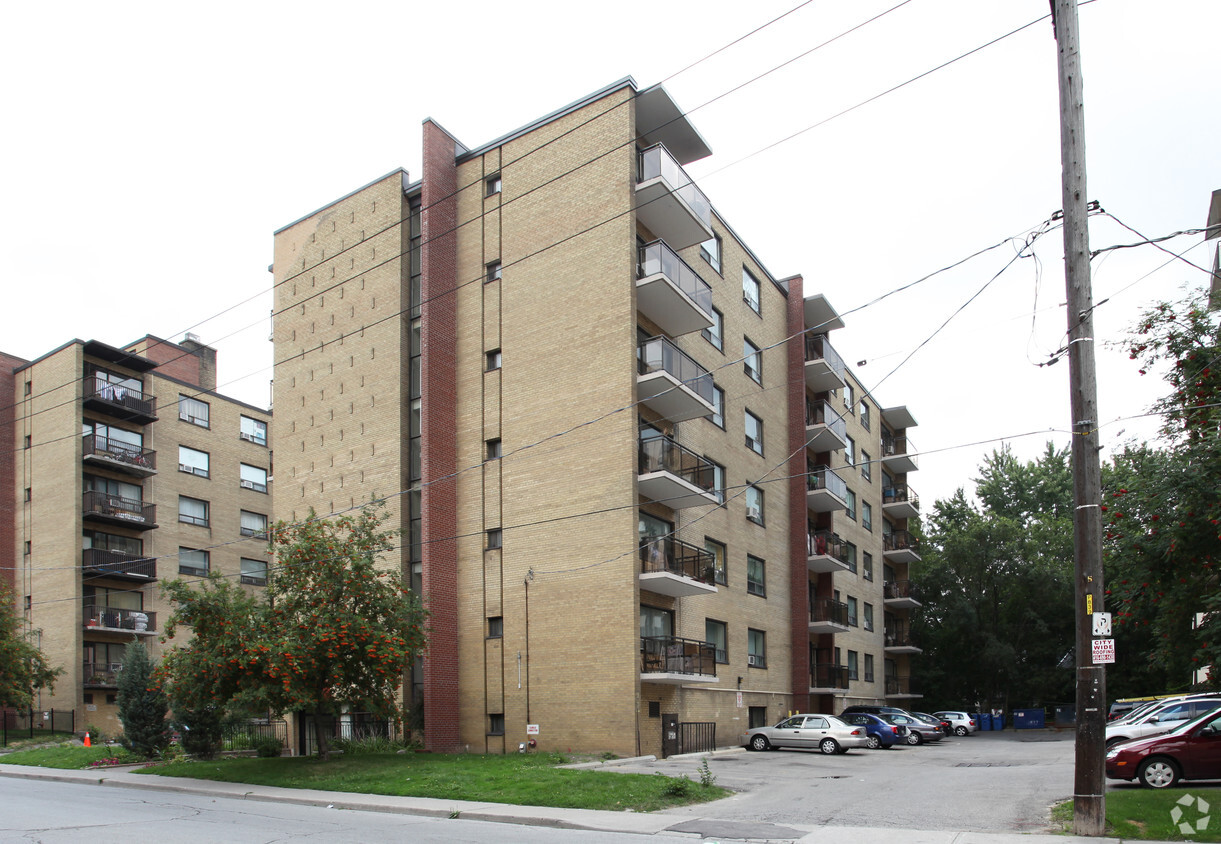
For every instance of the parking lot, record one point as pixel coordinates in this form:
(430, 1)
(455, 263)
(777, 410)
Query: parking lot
(985, 782)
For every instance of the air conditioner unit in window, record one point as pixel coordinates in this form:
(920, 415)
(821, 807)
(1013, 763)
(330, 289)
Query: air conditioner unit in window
(182, 467)
(754, 660)
(753, 513)
(245, 436)
(247, 484)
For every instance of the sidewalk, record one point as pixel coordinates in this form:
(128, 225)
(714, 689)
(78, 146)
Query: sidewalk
(583, 819)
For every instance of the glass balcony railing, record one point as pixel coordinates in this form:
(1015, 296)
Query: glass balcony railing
(818, 347)
(658, 258)
(662, 454)
(656, 162)
(824, 477)
(820, 412)
(660, 354)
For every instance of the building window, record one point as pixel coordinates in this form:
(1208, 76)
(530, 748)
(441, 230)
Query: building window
(754, 432)
(496, 626)
(494, 271)
(866, 466)
(850, 509)
(493, 360)
(192, 462)
(254, 524)
(867, 515)
(191, 561)
(717, 550)
(495, 537)
(656, 623)
(754, 504)
(852, 666)
(717, 633)
(756, 576)
(756, 648)
(867, 622)
(850, 452)
(864, 415)
(718, 407)
(867, 566)
(868, 668)
(253, 478)
(718, 480)
(493, 449)
(852, 619)
(29, 388)
(750, 291)
(29, 494)
(848, 400)
(496, 724)
(192, 511)
(254, 572)
(29, 441)
(253, 430)
(710, 251)
(752, 362)
(715, 333)
(27, 549)
(493, 185)
(193, 410)
(850, 556)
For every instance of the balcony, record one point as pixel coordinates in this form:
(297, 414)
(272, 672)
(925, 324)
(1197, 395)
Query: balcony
(901, 687)
(900, 595)
(824, 367)
(670, 293)
(826, 429)
(669, 659)
(98, 562)
(828, 679)
(828, 615)
(900, 547)
(673, 475)
(670, 382)
(104, 507)
(118, 456)
(101, 675)
(898, 454)
(669, 566)
(668, 203)
(110, 620)
(900, 502)
(898, 640)
(826, 492)
(119, 401)
(826, 552)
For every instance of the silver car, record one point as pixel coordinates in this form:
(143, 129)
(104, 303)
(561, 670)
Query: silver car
(961, 722)
(825, 733)
(918, 730)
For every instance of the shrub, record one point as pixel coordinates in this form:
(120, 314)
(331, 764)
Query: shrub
(142, 706)
(268, 747)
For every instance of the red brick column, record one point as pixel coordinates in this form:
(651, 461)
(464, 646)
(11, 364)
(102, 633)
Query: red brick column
(798, 577)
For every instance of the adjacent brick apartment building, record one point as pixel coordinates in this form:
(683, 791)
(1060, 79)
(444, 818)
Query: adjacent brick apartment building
(636, 485)
(126, 467)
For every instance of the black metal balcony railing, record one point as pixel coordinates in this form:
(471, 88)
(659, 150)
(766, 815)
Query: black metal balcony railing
(667, 554)
(98, 562)
(900, 540)
(119, 396)
(656, 161)
(898, 636)
(824, 477)
(131, 455)
(819, 412)
(662, 454)
(901, 686)
(138, 621)
(101, 674)
(818, 347)
(660, 354)
(672, 655)
(98, 503)
(899, 494)
(821, 543)
(828, 611)
(657, 257)
(899, 589)
(824, 676)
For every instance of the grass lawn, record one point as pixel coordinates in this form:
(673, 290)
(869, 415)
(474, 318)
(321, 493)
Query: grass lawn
(1145, 813)
(526, 780)
(67, 756)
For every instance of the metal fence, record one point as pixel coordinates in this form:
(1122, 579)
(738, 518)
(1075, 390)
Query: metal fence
(353, 727)
(246, 734)
(697, 736)
(15, 726)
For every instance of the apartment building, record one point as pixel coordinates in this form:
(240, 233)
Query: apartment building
(128, 468)
(582, 396)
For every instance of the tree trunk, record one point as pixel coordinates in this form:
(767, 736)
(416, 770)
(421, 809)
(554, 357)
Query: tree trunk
(324, 725)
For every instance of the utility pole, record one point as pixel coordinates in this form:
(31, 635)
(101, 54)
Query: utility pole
(1089, 785)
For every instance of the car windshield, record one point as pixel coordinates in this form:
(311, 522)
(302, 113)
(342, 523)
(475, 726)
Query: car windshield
(1212, 717)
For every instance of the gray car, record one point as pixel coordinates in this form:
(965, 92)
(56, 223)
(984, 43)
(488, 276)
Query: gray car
(825, 733)
(919, 731)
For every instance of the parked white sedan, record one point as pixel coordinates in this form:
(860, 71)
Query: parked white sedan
(825, 733)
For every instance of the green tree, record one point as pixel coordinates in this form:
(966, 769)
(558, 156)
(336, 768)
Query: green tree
(142, 704)
(23, 668)
(331, 631)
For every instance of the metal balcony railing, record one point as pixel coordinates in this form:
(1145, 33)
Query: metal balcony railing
(667, 554)
(101, 674)
(672, 655)
(98, 503)
(820, 412)
(818, 347)
(898, 636)
(895, 445)
(660, 354)
(131, 455)
(828, 610)
(823, 676)
(657, 257)
(900, 493)
(824, 477)
(662, 454)
(826, 543)
(110, 618)
(129, 400)
(900, 540)
(656, 161)
(899, 589)
(901, 686)
(97, 562)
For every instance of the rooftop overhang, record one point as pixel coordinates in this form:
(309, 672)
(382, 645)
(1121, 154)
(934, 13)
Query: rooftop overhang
(660, 120)
(127, 360)
(899, 418)
(820, 316)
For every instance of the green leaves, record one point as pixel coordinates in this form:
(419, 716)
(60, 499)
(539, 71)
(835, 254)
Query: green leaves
(23, 668)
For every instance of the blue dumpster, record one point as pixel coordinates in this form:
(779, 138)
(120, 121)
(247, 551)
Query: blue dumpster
(984, 720)
(1028, 719)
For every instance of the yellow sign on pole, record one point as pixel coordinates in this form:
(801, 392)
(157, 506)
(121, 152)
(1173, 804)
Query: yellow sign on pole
(1089, 602)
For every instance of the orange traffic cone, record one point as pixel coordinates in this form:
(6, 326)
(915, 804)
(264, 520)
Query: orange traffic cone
(87, 744)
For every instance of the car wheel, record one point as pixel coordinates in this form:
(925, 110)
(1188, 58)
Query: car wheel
(1158, 772)
(914, 738)
(873, 742)
(829, 746)
(1115, 740)
(760, 743)
(960, 731)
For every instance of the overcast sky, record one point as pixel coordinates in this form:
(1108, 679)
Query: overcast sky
(152, 149)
